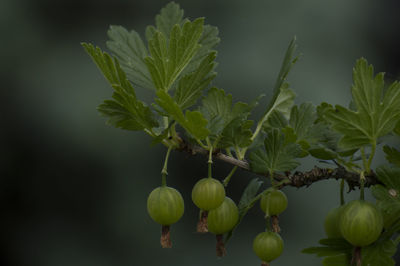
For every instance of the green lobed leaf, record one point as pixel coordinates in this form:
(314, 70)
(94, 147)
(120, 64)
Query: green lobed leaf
(227, 123)
(336, 251)
(247, 201)
(392, 155)
(168, 60)
(275, 120)
(337, 260)
(208, 41)
(277, 156)
(389, 175)
(283, 97)
(169, 16)
(288, 62)
(283, 102)
(236, 134)
(389, 204)
(130, 51)
(325, 144)
(304, 130)
(388, 198)
(376, 114)
(379, 254)
(172, 14)
(302, 119)
(192, 121)
(125, 110)
(191, 86)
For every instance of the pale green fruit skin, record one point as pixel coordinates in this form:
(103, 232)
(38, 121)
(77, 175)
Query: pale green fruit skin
(208, 194)
(360, 223)
(223, 218)
(268, 246)
(331, 223)
(277, 201)
(165, 205)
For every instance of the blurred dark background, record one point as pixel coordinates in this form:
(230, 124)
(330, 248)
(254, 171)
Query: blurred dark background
(73, 190)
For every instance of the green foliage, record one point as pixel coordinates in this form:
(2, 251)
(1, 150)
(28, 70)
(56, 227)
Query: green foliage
(282, 96)
(166, 62)
(130, 51)
(192, 121)
(332, 247)
(228, 124)
(125, 110)
(379, 254)
(247, 201)
(278, 156)
(387, 197)
(177, 62)
(376, 112)
(169, 16)
(392, 155)
(191, 86)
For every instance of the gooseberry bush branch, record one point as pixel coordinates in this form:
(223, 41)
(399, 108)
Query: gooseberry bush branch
(176, 61)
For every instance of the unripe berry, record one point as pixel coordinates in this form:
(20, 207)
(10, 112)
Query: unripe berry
(208, 194)
(268, 246)
(275, 200)
(165, 205)
(360, 223)
(223, 218)
(331, 223)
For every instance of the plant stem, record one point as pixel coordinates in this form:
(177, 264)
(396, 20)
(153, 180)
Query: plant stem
(164, 172)
(165, 120)
(371, 156)
(228, 178)
(201, 144)
(209, 157)
(271, 176)
(362, 182)
(269, 227)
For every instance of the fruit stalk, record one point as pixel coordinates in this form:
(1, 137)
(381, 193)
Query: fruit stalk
(220, 247)
(209, 158)
(164, 172)
(165, 237)
(264, 263)
(356, 260)
(202, 224)
(275, 224)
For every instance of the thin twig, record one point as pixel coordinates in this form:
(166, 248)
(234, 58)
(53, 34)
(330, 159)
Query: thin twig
(296, 179)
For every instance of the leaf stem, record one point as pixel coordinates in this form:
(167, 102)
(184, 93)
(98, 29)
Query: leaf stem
(229, 176)
(209, 157)
(363, 156)
(228, 151)
(362, 182)
(164, 172)
(165, 120)
(268, 221)
(202, 144)
(371, 156)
